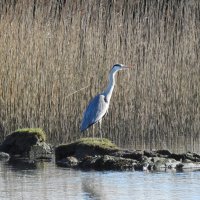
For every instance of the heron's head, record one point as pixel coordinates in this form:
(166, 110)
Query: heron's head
(118, 67)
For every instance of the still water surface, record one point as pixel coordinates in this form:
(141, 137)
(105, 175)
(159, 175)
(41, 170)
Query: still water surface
(47, 181)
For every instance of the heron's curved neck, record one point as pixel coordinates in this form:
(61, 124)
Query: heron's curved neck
(108, 91)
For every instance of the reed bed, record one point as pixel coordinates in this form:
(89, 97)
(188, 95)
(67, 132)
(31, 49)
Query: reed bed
(55, 56)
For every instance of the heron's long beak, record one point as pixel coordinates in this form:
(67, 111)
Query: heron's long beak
(127, 67)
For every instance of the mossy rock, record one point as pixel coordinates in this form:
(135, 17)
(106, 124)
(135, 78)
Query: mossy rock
(97, 142)
(41, 135)
(86, 147)
(20, 141)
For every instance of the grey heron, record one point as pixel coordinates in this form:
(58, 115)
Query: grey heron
(99, 105)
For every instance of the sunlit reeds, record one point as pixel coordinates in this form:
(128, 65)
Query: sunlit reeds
(56, 55)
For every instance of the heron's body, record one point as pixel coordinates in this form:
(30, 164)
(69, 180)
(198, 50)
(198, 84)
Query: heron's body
(95, 111)
(99, 105)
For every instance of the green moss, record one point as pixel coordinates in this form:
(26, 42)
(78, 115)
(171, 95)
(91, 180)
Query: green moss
(97, 142)
(90, 142)
(36, 131)
(85, 147)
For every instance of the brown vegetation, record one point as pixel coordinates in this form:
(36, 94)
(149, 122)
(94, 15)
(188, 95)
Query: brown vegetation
(51, 49)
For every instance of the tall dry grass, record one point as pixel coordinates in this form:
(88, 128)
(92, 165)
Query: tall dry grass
(55, 56)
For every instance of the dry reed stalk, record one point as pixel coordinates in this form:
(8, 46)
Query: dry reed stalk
(50, 49)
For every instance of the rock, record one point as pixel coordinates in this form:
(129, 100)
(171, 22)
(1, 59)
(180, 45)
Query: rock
(85, 147)
(70, 162)
(159, 153)
(164, 163)
(90, 162)
(18, 143)
(63, 151)
(139, 166)
(163, 152)
(189, 165)
(97, 154)
(192, 156)
(178, 157)
(172, 164)
(40, 151)
(4, 156)
(107, 162)
(116, 163)
(189, 156)
(179, 166)
(26, 143)
(144, 164)
(150, 154)
(135, 155)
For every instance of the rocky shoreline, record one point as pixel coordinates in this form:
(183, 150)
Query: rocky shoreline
(118, 159)
(92, 154)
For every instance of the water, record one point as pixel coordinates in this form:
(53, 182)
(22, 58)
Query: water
(21, 181)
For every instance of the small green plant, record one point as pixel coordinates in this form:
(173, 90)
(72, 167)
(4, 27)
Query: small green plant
(36, 131)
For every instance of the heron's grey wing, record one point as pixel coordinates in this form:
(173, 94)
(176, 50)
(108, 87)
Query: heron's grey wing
(95, 110)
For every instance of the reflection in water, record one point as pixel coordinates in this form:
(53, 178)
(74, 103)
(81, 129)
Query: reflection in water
(43, 180)
(92, 186)
(21, 164)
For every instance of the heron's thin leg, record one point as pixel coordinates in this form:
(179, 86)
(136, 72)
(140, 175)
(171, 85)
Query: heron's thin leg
(93, 132)
(100, 129)
(87, 133)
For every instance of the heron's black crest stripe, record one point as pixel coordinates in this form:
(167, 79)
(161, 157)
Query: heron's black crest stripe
(116, 65)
